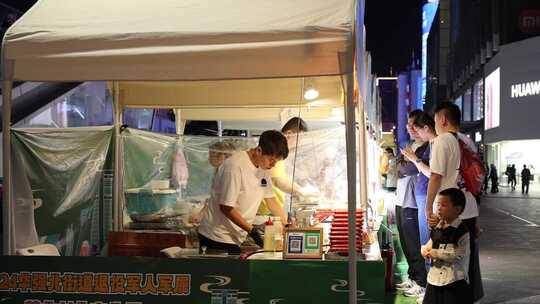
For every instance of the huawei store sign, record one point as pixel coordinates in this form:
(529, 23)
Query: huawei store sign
(525, 89)
(529, 21)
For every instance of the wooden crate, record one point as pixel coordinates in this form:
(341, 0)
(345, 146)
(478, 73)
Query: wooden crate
(143, 243)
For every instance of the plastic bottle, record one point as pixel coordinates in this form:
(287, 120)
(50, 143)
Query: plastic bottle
(278, 233)
(269, 232)
(85, 249)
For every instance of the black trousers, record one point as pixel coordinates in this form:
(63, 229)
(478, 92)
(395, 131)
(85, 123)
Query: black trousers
(454, 293)
(409, 237)
(512, 182)
(213, 246)
(475, 276)
(494, 185)
(525, 187)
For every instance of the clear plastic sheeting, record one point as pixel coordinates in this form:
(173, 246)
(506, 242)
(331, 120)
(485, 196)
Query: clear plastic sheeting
(89, 104)
(167, 178)
(154, 197)
(63, 180)
(25, 227)
(318, 162)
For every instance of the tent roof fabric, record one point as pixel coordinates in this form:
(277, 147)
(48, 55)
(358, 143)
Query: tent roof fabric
(268, 93)
(82, 40)
(260, 114)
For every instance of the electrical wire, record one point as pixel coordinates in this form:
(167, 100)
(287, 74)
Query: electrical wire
(296, 146)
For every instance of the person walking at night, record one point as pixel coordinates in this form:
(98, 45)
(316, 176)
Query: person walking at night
(511, 173)
(486, 179)
(525, 180)
(494, 178)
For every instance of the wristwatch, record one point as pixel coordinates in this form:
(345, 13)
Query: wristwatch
(418, 160)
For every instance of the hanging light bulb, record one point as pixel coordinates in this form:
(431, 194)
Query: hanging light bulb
(311, 93)
(337, 112)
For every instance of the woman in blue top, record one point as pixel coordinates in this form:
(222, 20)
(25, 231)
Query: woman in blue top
(424, 125)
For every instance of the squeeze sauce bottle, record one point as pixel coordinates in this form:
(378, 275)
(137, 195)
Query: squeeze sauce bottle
(269, 232)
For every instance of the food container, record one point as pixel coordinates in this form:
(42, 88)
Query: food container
(149, 201)
(159, 184)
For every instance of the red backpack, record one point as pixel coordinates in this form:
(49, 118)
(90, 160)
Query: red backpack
(471, 168)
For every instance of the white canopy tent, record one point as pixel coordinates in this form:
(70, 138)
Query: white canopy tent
(233, 43)
(180, 40)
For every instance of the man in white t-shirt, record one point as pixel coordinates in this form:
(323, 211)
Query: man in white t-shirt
(444, 165)
(240, 185)
(445, 158)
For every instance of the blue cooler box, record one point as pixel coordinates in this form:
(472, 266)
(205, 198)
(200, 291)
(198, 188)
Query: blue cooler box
(148, 201)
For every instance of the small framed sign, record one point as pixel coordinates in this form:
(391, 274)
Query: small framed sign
(303, 243)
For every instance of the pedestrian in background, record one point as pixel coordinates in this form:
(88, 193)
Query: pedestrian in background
(525, 180)
(391, 171)
(511, 173)
(494, 177)
(486, 179)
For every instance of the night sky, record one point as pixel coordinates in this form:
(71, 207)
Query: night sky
(393, 31)
(20, 5)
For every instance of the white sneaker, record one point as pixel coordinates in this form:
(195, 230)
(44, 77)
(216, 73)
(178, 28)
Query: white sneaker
(416, 291)
(405, 285)
(413, 285)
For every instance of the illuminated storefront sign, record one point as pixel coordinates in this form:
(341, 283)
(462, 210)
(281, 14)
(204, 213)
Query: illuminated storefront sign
(493, 99)
(525, 89)
(512, 92)
(529, 21)
(428, 13)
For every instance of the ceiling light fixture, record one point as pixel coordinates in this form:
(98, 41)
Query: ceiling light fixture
(311, 93)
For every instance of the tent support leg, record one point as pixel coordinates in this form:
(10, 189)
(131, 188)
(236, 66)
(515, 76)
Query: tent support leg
(350, 139)
(7, 206)
(117, 193)
(362, 153)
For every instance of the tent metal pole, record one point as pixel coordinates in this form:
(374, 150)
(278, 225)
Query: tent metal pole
(362, 143)
(350, 140)
(179, 122)
(117, 205)
(7, 206)
(220, 128)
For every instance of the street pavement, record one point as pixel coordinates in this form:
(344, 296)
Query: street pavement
(510, 247)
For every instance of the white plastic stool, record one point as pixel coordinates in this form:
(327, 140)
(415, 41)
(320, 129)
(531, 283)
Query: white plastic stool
(39, 250)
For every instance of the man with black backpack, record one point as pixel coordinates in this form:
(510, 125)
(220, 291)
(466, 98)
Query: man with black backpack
(450, 150)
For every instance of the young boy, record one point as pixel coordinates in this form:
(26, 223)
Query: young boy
(448, 249)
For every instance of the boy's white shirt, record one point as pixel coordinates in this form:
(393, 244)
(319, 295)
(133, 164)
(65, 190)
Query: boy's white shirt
(455, 260)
